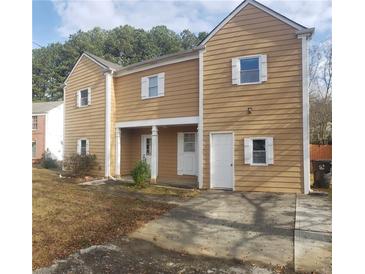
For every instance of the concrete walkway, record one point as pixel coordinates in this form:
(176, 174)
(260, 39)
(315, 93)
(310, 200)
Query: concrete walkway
(256, 227)
(313, 234)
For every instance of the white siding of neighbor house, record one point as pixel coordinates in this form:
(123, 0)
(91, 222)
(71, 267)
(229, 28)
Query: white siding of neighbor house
(54, 132)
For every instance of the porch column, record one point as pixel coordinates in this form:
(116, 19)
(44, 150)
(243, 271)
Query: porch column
(154, 156)
(117, 151)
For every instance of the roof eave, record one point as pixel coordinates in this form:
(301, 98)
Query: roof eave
(277, 15)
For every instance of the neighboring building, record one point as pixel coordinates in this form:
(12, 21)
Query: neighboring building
(47, 129)
(231, 113)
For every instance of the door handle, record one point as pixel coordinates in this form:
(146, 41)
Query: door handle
(231, 164)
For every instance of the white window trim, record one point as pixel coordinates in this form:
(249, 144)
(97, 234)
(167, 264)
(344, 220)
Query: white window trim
(259, 138)
(260, 69)
(88, 100)
(79, 144)
(152, 97)
(34, 129)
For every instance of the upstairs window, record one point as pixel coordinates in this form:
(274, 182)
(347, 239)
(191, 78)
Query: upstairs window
(153, 86)
(84, 97)
(249, 69)
(34, 122)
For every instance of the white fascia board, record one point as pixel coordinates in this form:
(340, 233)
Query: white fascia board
(201, 121)
(159, 122)
(108, 91)
(78, 61)
(146, 67)
(257, 5)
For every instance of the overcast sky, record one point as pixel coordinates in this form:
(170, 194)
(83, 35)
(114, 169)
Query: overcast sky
(55, 20)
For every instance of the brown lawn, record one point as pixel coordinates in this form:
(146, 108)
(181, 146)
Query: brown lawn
(67, 217)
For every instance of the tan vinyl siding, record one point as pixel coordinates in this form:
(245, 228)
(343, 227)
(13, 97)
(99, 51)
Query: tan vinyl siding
(180, 99)
(86, 122)
(276, 104)
(167, 151)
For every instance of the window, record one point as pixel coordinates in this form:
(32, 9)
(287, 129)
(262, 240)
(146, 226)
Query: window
(84, 94)
(148, 146)
(83, 146)
(34, 149)
(189, 142)
(84, 97)
(34, 122)
(152, 86)
(250, 70)
(259, 151)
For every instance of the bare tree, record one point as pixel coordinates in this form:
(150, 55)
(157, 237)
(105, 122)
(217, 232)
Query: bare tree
(320, 92)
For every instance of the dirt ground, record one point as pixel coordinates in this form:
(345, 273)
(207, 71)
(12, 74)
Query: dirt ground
(67, 216)
(128, 255)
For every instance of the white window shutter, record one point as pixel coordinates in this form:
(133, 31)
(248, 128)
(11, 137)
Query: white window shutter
(235, 71)
(89, 97)
(161, 84)
(248, 151)
(78, 147)
(269, 150)
(78, 99)
(263, 61)
(180, 152)
(144, 87)
(87, 146)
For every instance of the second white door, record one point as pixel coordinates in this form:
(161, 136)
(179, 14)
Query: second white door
(187, 160)
(146, 148)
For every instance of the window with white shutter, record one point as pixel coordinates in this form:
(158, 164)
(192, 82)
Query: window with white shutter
(153, 86)
(249, 69)
(259, 151)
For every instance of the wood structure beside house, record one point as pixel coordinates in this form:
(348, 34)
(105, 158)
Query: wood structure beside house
(231, 113)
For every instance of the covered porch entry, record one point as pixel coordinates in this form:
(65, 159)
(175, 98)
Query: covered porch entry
(169, 146)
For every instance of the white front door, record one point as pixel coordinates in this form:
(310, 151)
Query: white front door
(221, 160)
(146, 148)
(187, 160)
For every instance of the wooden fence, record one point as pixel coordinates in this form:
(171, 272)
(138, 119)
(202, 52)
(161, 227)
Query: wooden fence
(321, 152)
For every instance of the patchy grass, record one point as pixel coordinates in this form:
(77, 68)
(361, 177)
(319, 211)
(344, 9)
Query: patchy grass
(160, 190)
(67, 217)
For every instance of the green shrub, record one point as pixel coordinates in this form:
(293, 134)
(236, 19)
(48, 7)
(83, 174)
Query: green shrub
(141, 173)
(80, 165)
(47, 161)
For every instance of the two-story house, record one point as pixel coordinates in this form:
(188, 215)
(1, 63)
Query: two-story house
(231, 113)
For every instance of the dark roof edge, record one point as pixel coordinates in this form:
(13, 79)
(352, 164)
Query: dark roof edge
(160, 59)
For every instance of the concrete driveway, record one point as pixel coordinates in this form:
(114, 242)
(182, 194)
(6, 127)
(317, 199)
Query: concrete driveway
(256, 227)
(313, 234)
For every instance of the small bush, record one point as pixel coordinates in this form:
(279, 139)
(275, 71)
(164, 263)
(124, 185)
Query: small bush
(47, 161)
(80, 165)
(141, 173)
